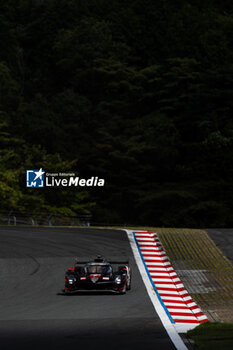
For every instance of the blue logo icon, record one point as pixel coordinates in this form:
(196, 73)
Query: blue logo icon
(35, 178)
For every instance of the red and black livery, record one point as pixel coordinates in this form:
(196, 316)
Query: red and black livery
(98, 275)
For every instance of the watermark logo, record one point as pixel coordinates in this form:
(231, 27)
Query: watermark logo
(40, 178)
(35, 178)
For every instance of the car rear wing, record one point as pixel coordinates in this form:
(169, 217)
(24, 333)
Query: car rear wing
(103, 260)
(119, 262)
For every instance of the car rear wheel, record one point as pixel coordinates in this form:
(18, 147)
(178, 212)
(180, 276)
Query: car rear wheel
(128, 283)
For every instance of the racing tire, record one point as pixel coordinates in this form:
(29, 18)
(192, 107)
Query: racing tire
(123, 290)
(128, 284)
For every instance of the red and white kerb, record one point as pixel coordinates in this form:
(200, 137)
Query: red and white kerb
(175, 297)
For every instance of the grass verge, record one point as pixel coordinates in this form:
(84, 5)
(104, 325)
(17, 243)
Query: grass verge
(204, 270)
(212, 336)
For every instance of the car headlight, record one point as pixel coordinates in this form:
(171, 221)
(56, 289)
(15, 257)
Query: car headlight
(71, 281)
(118, 280)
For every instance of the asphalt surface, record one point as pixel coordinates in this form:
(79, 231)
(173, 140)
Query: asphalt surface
(223, 238)
(35, 315)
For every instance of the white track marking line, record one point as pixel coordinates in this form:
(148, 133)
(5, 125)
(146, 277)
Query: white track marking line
(171, 330)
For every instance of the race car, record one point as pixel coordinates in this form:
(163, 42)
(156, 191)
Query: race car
(98, 275)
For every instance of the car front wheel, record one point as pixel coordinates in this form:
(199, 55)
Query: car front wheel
(122, 290)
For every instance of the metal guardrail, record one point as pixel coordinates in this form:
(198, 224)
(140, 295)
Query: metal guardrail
(48, 219)
(14, 218)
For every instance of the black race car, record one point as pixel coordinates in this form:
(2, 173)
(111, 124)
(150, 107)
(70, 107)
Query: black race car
(98, 275)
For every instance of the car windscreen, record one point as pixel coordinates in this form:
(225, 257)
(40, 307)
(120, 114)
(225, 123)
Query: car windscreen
(99, 269)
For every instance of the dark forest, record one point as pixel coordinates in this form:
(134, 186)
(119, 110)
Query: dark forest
(139, 93)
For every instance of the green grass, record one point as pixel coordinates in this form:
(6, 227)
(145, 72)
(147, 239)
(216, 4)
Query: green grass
(212, 336)
(194, 250)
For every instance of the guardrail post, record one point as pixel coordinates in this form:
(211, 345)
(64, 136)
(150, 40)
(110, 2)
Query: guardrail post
(14, 218)
(9, 217)
(49, 219)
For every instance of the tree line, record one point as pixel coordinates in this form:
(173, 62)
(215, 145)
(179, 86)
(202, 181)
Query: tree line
(138, 93)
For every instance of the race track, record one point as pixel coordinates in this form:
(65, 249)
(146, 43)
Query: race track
(35, 315)
(223, 237)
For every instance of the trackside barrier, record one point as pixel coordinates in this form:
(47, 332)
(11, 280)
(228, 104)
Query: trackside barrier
(14, 218)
